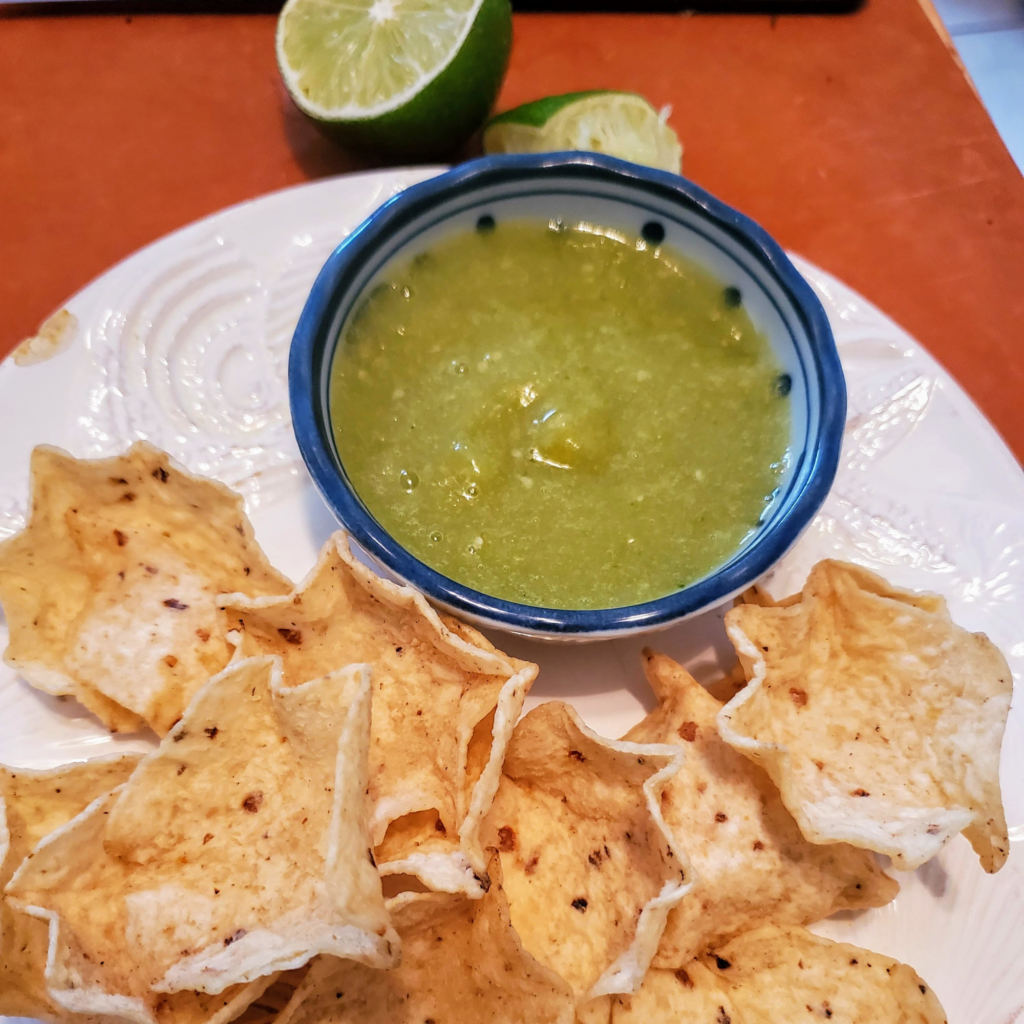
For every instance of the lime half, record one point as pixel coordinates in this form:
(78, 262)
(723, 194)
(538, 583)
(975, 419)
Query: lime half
(405, 78)
(620, 124)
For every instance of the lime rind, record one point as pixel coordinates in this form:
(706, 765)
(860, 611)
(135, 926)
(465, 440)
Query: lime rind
(620, 124)
(537, 113)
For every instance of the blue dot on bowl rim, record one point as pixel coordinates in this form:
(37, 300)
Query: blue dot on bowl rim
(653, 232)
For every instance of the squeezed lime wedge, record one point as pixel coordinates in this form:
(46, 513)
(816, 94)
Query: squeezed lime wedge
(620, 124)
(405, 78)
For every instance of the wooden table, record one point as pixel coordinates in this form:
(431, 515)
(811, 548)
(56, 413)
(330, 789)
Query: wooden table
(854, 139)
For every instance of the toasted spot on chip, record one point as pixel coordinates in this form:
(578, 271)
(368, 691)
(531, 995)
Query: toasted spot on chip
(597, 928)
(115, 574)
(33, 804)
(145, 886)
(897, 746)
(444, 705)
(461, 962)
(747, 851)
(253, 801)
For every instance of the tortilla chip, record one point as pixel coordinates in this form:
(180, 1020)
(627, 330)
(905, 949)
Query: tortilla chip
(596, 1011)
(33, 804)
(238, 849)
(590, 869)
(774, 974)
(461, 961)
(73, 845)
(268, 1006)
(689, 995)
(758, 595)
(443, 707)
(110, 589)
(879, 719)
(752, 863)
(55, 334)
(724, 689)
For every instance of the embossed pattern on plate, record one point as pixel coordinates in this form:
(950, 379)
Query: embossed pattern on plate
(186, 343)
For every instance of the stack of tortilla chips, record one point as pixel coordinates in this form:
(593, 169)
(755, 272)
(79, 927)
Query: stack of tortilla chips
(345, 819)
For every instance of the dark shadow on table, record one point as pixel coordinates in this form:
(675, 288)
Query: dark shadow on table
(321, 157)
(317, 155)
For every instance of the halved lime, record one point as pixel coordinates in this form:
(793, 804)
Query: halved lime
(620, 124)
(406, 78)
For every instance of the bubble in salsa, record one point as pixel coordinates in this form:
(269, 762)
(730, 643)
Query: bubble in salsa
(562, 417)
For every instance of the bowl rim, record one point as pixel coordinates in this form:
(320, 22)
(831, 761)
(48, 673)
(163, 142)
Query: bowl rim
(309, 421)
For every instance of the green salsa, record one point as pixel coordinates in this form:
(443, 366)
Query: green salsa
(562, 417)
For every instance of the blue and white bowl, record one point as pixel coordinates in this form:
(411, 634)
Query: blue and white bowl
(600, 190)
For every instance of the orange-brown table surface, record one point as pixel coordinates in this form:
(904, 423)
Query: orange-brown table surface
(855, 140)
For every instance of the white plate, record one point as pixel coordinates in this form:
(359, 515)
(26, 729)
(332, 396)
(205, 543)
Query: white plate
(186, 343)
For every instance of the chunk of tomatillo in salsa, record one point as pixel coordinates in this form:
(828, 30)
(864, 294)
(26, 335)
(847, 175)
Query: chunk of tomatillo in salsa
(562, 417)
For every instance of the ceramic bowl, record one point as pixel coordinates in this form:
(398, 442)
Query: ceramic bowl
(597, 189)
